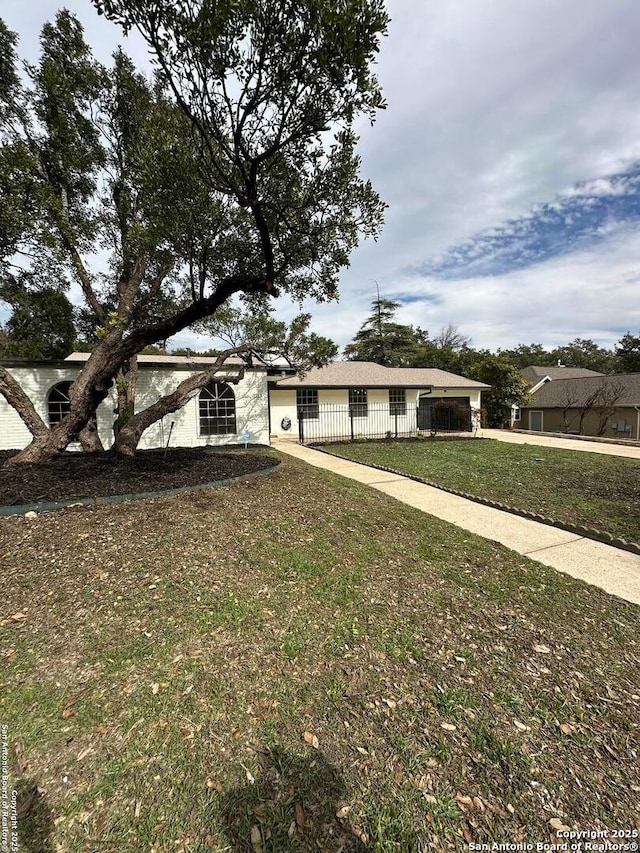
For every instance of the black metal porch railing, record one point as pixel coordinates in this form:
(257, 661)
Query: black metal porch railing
(343, 422)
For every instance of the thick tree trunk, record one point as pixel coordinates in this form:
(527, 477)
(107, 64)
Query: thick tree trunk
(16, 397)
(126, 382)
(54, 441)
(130, 433)
(114, 350)
(87, 392)
(89, 438)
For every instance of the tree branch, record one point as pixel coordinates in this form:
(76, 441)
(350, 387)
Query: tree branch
(130, 433)
(137, 339)
(16, 397)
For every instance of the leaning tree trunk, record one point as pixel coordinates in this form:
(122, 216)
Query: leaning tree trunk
(130, 433)
(87, 392)
(89, 438)
(46, 447)
(46, 442)
(16, 397)
(96, 378)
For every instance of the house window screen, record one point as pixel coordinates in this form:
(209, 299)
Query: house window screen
(307, 403)
(358, 403)
(397, 401)
(217, 410)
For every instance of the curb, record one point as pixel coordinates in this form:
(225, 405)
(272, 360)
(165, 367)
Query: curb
(48, 506)
(579, 529)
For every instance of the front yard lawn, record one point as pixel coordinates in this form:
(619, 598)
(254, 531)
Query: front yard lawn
(299, 663)
(580, 488)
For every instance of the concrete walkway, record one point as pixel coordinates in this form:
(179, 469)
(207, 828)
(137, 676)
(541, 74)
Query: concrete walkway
(563, 443)
(615, 571)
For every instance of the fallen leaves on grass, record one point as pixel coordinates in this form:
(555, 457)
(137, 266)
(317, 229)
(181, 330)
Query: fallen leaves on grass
(311, 739)
(256, 839)
(17, 617)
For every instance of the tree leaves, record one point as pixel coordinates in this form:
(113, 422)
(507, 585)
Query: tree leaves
(233, 171)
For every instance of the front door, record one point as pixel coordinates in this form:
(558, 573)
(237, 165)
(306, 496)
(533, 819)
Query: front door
(535, 421)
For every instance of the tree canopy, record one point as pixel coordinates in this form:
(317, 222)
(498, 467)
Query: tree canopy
(581, 352)
(382, 339)
(41, 322)
(255, 325)
(628, 353)
(233, 171)
(508, 388)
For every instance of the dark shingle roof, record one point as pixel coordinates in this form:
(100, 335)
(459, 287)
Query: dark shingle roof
(534, 374)
(367, 374)
(624, 387)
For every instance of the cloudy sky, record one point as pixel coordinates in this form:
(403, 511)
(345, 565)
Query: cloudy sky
(509, 156)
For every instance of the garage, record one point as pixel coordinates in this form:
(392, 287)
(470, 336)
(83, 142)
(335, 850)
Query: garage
(444, 413)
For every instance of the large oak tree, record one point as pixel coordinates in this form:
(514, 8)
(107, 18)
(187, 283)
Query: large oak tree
(233, 171)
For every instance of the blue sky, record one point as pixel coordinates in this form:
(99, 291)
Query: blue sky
(509, 156)
(584, 217)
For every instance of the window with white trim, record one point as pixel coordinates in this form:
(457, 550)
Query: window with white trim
(358, 403)
(397, 401)
(307, 403)
(217, 409)
(58, 402)
(516, 413)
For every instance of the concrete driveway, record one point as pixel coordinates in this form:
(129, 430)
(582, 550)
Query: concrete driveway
(563, 443)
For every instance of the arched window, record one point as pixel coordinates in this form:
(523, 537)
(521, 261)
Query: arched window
(58, 402)
(217, 409)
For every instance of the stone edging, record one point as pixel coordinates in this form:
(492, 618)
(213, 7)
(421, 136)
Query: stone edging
(48, 506)
(578, 529)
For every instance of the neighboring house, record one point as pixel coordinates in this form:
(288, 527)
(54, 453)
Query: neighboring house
(602, 405)
(537, 376)
(219, 414)
(343, 398)
(348, 399)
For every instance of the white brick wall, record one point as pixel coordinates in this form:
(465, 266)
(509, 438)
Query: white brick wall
(252, 408)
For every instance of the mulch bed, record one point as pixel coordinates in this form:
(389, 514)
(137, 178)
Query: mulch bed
(73, 476)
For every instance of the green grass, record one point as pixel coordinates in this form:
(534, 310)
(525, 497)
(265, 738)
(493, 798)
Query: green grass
(166, 697)
(580, 488)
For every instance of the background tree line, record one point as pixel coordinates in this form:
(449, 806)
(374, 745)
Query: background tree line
(383, 340)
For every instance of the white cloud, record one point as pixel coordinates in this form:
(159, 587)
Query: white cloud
(540, 304)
